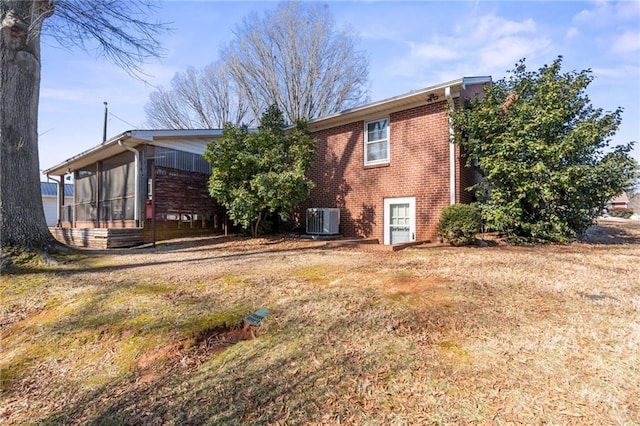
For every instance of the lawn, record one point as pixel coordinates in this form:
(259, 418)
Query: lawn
(436, 335)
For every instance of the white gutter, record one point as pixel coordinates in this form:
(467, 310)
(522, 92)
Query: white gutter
(136, 180)
(452, 148)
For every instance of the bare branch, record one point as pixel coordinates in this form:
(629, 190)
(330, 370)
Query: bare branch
(204, 98)
(294, 57)
(119, 30)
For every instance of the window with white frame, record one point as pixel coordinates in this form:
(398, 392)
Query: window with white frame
(376, 142)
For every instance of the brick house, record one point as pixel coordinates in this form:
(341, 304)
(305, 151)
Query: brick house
(390, 166)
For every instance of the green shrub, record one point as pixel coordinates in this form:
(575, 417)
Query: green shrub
(459, 224)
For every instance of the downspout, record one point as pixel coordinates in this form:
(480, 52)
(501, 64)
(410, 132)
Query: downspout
(136, 178)
(452, 148)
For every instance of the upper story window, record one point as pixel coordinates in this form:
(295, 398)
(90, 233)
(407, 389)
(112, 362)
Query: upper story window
(376, 142)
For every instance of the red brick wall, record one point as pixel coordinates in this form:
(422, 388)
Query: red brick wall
(419, 168)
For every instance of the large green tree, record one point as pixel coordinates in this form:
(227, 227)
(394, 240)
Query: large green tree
(259, 173)
(544, 152)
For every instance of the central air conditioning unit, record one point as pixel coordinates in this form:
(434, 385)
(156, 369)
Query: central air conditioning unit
(323, 221)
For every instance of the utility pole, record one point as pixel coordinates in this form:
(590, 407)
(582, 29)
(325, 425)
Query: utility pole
(104, 131)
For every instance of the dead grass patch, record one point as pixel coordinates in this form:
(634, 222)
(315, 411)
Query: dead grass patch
(489, 335)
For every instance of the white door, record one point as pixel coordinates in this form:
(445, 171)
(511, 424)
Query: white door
(399, 220)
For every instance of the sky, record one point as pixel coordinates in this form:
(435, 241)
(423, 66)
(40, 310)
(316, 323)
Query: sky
(410, 45)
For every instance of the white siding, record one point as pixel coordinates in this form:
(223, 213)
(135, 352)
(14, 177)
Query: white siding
(193, 146)
(51, 209)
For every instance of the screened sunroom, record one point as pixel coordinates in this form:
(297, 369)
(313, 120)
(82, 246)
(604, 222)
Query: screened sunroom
(152, 183)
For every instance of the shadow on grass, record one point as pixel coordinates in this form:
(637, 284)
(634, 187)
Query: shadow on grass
(341, 352)
(31, 269)
(614, 233)
(600, 234)
(326, 349)
(290, 374)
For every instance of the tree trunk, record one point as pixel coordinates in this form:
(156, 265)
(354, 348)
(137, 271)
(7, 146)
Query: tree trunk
(22, 217)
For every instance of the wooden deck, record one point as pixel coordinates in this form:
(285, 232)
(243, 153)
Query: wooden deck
(99, 238)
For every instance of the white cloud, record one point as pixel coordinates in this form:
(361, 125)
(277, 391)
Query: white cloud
(85, 95)
(572, 32)
(627, 10)
(505, 52)
(604, 13)
(615, 73)
(432, 51)
(498, 43)
(482, 45)
(585, 16)
(491, 26)
(628, 42)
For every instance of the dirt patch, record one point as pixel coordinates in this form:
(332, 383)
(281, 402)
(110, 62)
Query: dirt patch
(220, 338)
(189, 355)
(150, 364)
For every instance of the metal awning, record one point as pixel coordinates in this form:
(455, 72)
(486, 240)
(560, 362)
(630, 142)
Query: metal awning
(133, 138)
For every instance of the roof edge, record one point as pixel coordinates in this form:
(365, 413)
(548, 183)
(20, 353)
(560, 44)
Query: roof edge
(112, 141)
(141, 135)
(413, 97)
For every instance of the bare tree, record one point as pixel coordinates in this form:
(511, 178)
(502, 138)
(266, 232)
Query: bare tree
(118, 29)
(294, 57)
(198, 99)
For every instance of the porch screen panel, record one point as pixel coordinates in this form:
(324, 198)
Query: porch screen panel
(117, 192)
(85, 189)
(118, 182)
(85, 195)
(86, 212)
